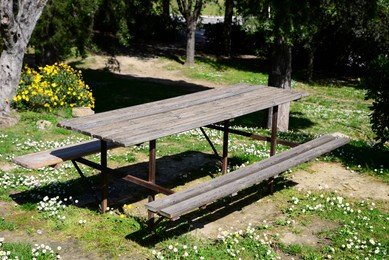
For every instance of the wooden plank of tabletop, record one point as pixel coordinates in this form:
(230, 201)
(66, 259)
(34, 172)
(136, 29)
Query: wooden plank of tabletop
(141, 123)
(182, 115)
(166, 117)
(126, 138)
(80, 124)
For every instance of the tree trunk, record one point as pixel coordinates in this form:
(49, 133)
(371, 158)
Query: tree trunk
(310, 65)
(190, 44)
(17, 22)
(10, 69)
(190, 10)
(280, 76)
(229, 5)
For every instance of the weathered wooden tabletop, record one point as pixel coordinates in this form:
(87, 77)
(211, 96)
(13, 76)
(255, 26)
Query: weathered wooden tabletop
(150, 121)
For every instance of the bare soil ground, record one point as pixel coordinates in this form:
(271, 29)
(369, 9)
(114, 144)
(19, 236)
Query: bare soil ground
(318, 176)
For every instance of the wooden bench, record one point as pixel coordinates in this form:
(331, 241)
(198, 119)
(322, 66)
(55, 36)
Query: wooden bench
(54, 157)
(177, 204)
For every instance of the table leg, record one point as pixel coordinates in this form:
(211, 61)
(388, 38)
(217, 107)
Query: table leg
(274, 129)
(152, 170)
(104, 176)
(273, 144)
(225, 147)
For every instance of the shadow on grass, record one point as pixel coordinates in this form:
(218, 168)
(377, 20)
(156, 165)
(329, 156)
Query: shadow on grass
(113, 91)
(172, 171)
(170, 174)
(197, 219)
(360, 155)
(251, 64)
(297, 121)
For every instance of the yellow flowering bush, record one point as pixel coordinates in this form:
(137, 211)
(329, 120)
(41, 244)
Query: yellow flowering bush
(53, 86)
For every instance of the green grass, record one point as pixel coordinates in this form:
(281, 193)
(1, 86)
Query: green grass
(13, 250)
(5, 225)
(332, 106)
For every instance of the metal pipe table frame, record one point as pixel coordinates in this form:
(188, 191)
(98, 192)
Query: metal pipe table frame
(150, 121)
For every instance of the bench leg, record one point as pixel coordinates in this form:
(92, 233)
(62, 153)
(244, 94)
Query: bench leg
(152, 170)
(104, 176)
(85, 181)
(225, 147)
(273, 144)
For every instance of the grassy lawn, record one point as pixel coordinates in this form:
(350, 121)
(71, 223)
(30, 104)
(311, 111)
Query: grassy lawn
(52, 202)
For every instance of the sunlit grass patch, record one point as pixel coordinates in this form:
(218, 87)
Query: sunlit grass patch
(214, 71)
(363, 226)
(26, 251)
(229, 244)
(6, 225)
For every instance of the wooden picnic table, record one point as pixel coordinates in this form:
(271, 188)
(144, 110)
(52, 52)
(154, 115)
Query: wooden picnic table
(148, 122)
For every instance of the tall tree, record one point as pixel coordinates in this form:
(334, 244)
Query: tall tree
(280, 74)
(346, 21)
(191, 11)
(18, 20)
(227, 26)
(287, 22)
(278, 19)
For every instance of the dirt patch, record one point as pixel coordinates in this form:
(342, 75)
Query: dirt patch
(308, 234)
(334, 177)
(150, 68)
(319, 176)
(4, 166)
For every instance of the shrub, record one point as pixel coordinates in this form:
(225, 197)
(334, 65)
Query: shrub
(53, 86)
(377, 83)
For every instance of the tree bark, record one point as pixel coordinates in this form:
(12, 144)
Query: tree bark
(310, 65)
(190, 44)
(280, 76)
(229, 11)
(190, 10)
(17, 23)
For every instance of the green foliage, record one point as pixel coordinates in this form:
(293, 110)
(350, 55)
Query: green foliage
(377, 83)
(54, 86)
(337, 33)
(62, 26)
(112, 17)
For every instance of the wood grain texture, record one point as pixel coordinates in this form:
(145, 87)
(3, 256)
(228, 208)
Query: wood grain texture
(56, 156)
(141, 123)
(174, 205)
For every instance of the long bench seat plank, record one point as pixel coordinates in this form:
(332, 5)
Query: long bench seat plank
(173, 206)
(211, 184)
(240, 184)
(56, 156)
